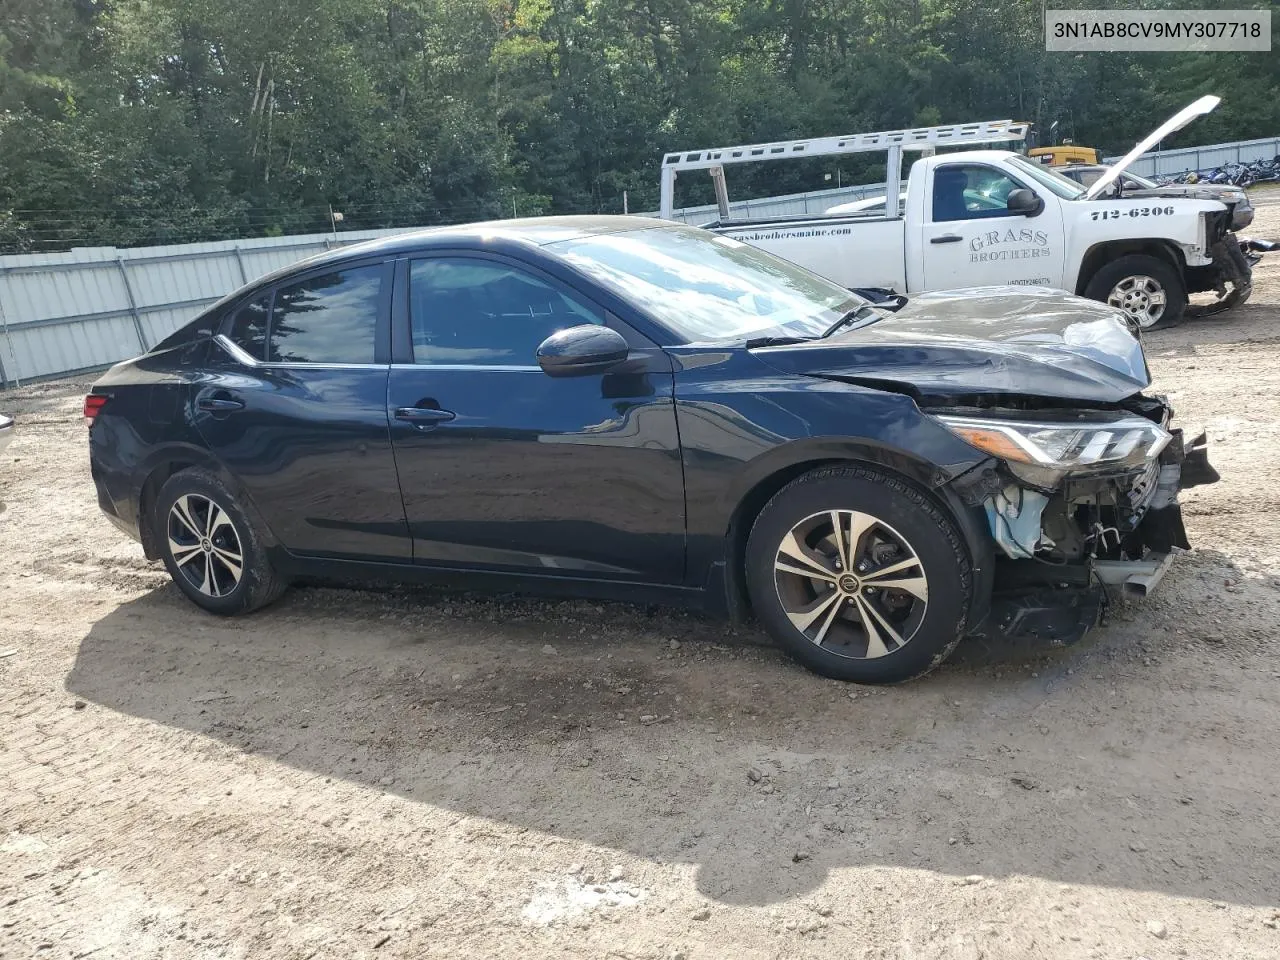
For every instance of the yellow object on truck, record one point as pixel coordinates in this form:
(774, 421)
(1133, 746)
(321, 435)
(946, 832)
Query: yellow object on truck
(1060, 156)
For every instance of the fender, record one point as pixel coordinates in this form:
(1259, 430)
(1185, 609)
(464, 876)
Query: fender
(758, 445)
(157, 467)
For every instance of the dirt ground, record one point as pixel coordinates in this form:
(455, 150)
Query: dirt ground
(409, 773)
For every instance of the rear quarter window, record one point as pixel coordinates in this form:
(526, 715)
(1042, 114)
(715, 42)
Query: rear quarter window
(201, 328)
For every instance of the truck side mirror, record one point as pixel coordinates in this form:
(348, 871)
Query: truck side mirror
(1024, 201)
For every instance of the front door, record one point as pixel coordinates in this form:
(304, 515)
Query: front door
(297, 411)
(971, 239)
(505, 468)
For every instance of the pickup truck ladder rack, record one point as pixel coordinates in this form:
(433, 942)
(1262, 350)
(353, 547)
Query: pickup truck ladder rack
(924, 139)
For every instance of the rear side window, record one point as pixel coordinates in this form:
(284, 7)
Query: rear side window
(249, 327)
(331, 318)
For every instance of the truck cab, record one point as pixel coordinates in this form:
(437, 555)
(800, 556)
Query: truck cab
(996, 217)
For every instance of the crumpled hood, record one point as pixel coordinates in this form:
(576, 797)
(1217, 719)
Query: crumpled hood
(1015, 341)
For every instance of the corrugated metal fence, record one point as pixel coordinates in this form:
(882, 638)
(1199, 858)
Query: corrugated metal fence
(1160, 163)
(63, 313)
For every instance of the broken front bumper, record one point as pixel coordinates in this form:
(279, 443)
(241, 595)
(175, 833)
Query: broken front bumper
(1230, 275)
(1057, 604)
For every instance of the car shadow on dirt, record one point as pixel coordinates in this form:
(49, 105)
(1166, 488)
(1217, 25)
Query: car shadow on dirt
(681, 740)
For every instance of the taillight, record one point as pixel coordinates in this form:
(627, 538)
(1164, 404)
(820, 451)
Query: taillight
(93, 405)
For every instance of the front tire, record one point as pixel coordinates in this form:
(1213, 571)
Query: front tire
(210, 548)
(859, 576)
(1147, 289)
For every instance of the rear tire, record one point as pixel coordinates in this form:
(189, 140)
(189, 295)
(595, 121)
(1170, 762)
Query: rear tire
(1131, 285)
(859, 576)
(210, 547)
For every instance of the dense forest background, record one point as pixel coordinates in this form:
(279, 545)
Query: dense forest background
(139, 121)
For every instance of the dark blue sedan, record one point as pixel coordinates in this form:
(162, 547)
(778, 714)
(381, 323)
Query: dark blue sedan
(617, 407)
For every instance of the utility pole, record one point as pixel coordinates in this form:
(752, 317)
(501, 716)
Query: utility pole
(625, 211)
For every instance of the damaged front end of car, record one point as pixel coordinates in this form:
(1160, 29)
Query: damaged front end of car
(1081, 505)
(1076, 469)
(1229, 272)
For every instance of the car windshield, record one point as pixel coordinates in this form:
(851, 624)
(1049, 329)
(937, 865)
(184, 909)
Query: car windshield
(702, 286)
(1064, 187)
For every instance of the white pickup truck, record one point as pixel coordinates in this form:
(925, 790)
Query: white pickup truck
(986, 217)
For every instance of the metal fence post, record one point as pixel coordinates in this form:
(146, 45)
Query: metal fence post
(244, 277)
(133, 305)
(4, 377)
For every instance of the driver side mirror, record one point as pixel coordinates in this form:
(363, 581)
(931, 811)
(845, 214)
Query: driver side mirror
(581, 351)
(1024, 201)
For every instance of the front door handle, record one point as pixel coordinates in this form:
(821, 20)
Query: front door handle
(424, 416)
(947, 238)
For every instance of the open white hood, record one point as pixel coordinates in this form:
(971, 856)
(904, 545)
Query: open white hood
(1179, 120)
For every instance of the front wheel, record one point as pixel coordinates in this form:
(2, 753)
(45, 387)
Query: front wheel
(859, 576)
(1148, 290)
(210, 547)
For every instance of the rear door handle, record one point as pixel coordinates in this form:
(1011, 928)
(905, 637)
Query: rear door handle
(947, 238)
(424, 416)
(219, 404)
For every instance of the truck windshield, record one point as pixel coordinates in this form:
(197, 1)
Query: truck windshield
(1063, 187)
(707, 287)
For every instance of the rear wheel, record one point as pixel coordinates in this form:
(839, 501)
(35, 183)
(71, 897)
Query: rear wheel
(209, 546)
(1147, 289)
(859, 576)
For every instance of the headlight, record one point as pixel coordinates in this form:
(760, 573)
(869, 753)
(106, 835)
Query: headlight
(1043, 451)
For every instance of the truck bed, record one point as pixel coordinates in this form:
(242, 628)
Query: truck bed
(852, 250)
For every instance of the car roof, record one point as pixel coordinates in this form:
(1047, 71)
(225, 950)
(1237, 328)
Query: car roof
(531, 231)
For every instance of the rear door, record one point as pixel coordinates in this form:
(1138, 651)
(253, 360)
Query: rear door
(971, 239)
(507, 469)
(295, 407)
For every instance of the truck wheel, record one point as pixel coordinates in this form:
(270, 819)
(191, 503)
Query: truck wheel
(1147, 289)
(859, 576)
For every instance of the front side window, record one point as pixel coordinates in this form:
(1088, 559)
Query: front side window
(331, 318)
(701, 286)
(966, 191)
(471, 311)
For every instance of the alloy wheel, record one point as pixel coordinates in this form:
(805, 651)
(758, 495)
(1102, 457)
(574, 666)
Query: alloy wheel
(1141, 298)
(851, 584)
(205, 545)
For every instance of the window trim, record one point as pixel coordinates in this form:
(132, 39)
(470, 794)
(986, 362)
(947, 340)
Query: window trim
(973, 163)
(402, 338)
(382, 328)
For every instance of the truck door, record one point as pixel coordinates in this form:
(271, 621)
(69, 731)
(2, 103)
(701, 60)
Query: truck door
(972, 239)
